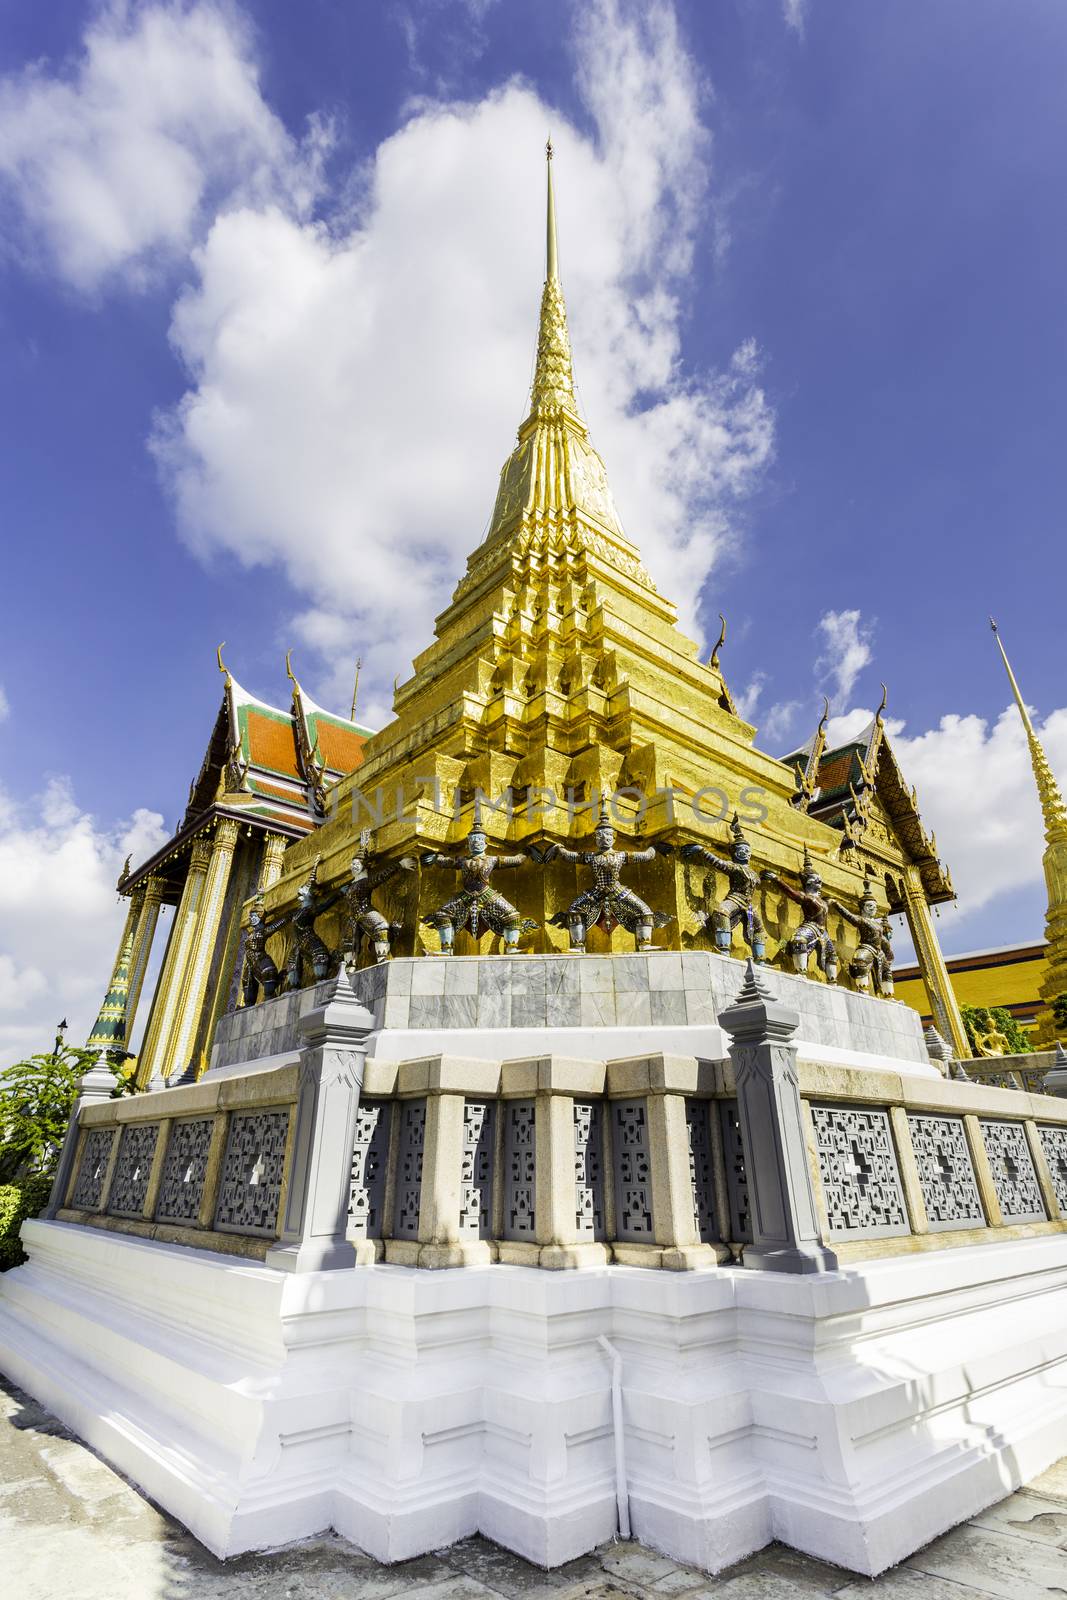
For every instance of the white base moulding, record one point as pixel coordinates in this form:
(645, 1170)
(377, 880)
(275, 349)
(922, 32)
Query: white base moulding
(853, 1415)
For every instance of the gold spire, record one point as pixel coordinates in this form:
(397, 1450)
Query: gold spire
(553, 384)
(1052, 806)
(551, 256)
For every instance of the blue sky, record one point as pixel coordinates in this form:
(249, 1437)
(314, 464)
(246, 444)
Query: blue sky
(267, 310)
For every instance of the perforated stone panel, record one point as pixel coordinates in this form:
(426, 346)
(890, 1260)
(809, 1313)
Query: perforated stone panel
(181, 1189)
(858, 1167)
(701, 1171)
(588, 1170)
(129, 1187)
(633, 1178)
(946, 1175)
(736, 1177)
(1054, 1144)
(96, 1153)
(370, 1157)
(520, 1177)
(1014, 1177)
(250, 1189)
(412, 1143)
(476, 1174)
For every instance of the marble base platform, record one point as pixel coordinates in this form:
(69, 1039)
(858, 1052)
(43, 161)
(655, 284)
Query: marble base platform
(601, 1007)
(853, 1415)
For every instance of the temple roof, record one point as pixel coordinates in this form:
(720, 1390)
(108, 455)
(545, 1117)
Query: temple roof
(839, 785)
(269, 768)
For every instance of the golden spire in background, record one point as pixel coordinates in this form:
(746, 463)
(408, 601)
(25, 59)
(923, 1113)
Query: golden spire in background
(1054, 863)
(1052, 807)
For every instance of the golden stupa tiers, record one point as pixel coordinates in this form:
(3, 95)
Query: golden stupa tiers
(557, 670)
(1054, 863)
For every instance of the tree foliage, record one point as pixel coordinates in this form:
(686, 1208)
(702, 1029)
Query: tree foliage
(36, 1100)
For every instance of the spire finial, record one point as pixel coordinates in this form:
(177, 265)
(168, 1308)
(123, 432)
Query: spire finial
(551, 254)
(223, 668)
(1019, 701)
(289, 673)
(714, 662)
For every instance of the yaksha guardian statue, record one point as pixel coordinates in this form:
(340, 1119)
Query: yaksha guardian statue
(307, 946)
(874, 954)
(813, 933)
(737, 907)
(260, 971)
(476, 905)
(608, 902)
(364, 922)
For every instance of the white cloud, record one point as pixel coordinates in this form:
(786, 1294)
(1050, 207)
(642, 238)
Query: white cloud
(60, 918)
(355, 392)
(774, 723)
(795, 13)
(5, 704)
(113, 166)
(977, 793)
(846, 642)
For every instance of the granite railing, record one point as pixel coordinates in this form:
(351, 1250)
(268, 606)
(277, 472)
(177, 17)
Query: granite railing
(662, 1160)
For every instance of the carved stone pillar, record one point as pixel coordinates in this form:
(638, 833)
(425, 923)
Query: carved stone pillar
(947, 1018)
(785, 1226)
(315, 1213)
(172, 977)
(176, 1051)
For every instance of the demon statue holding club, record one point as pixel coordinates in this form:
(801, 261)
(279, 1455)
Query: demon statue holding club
(607, 902)
(737, 906)
(476, 906)
(363, 921)
(874, 954)
(813, 933)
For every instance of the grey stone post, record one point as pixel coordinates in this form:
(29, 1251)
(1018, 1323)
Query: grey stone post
(94, 1086)
(315, 1207)
(785, 1228)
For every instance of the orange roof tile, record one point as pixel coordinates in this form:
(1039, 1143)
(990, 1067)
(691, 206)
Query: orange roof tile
(271, 743)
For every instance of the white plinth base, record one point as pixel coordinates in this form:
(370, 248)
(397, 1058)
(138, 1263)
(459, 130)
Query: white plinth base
(854, 1415)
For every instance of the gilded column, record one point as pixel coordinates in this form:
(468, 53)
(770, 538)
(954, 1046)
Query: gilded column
(110, 1030)
(151, 891)
(172, 977)
(947, 1018)
(175, 1055)
(270, 871)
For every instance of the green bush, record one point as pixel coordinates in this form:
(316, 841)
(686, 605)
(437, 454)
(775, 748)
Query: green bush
(17, 1202)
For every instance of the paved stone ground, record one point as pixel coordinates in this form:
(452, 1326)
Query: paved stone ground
(72, 1529)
